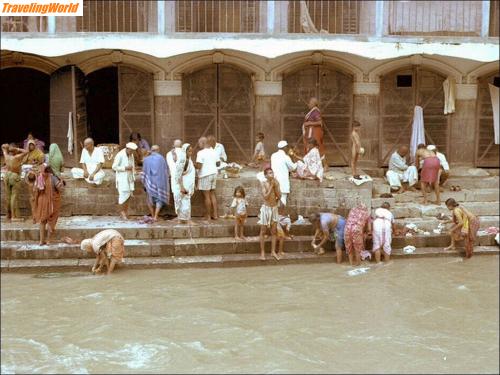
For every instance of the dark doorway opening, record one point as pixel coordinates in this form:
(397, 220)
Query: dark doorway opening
(102, 105)
(25, 105)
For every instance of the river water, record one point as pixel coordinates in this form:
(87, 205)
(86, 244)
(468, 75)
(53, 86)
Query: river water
(424, 315)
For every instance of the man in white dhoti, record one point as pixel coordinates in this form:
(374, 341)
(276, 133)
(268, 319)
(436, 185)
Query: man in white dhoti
(172, 157)
(91, 160)
(221, 154)
(282, 165)
(399, 171)
(124, 166)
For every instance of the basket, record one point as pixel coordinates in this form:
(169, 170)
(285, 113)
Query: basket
(232, 172)
(109, 150)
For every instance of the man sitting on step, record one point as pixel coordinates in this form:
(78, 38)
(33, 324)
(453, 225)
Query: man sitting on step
(399, 171)
(92, 160)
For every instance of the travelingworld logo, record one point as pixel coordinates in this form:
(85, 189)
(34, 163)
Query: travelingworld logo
(41, 8)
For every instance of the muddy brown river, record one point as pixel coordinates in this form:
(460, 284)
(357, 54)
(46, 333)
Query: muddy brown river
(412, 316)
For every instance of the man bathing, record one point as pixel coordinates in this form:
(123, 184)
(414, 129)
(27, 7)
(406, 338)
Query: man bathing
(12, 179)
(269, 216)
(108, 247)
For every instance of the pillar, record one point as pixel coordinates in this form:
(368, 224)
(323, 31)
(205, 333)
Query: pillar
(366, 111)
(268, 112)
(168, 112)
(463, 126)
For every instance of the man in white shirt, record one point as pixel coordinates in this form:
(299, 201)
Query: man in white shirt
(206, 164)
(282, 165)
(91, 160)
(399, 171)
(445, 167)
(172, 159)
(221, 155)
(124, 166)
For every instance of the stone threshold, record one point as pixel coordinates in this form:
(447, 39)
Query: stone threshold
(216, 261)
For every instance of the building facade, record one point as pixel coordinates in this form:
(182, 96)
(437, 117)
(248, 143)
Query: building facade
(183, 69)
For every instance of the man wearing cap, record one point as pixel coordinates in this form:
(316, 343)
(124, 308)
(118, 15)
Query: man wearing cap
(124, 166)
(445, 167)
(282, 165)
(91, 160)
(107, 245)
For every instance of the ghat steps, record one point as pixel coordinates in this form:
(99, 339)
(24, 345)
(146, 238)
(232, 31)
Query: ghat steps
(211, 245)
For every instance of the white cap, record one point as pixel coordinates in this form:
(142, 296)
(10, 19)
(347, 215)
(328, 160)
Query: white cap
(131, 145)
(282, 144)
(86, 244)
(431, 148)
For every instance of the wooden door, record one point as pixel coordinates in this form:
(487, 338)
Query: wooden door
(401, 91)
(487, 152)
(135, 103)
(218, 100)
(67, 95)
(334, 92)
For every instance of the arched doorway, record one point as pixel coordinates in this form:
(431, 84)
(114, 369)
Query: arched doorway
(101, 91)
(487, 152)
(24, 106)
(333, 89)
(218, 100)
(400, 92)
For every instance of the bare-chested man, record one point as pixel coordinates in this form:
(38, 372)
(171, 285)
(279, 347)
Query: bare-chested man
(269, 215)
(431, 166)
(356, 148)
(12, 179)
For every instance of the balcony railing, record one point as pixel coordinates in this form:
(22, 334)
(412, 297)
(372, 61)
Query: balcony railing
(118, 16)
(393, 18)
(16, 24)
(436, 18)
(494, 18)
(217, 16)
(333, 17)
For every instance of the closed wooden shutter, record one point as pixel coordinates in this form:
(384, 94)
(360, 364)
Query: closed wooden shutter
(136, 103)
(218, 100)
(487, 152)
(67, 95)
(397, 105)
(334, 92)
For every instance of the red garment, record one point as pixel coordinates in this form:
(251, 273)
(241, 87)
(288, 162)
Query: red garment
(315, 132)
(430, 170)
(354, 229)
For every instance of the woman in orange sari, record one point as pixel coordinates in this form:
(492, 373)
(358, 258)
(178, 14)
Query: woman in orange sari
(313, 126)
(465, 227)
(47, 193)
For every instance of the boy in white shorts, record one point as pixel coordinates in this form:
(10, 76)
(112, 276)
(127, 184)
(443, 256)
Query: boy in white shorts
(206, 164)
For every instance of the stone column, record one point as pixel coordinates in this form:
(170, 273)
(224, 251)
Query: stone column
(168, 112)
(463, 126)
(268, 112)
(366, 111)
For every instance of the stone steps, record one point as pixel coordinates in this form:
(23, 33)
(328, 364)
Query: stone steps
(479, 195)
(79, 227)
(230, 260)
(202, 247)
(430, 223)
(415, 210)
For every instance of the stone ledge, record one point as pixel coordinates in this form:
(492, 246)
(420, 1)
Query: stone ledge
(233, 260)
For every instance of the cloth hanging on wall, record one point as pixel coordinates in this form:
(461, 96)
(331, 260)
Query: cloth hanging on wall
(417, 131)
(70, 133)
(306, 20)
(494, 94)
(449, 89)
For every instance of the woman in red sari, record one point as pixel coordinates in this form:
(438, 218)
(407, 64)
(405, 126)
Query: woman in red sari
(47, 202)
(313, 126)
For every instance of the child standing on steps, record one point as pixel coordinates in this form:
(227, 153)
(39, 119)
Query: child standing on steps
(239, 207)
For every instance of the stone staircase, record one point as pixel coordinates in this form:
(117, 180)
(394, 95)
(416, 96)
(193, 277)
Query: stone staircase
(167, 244)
